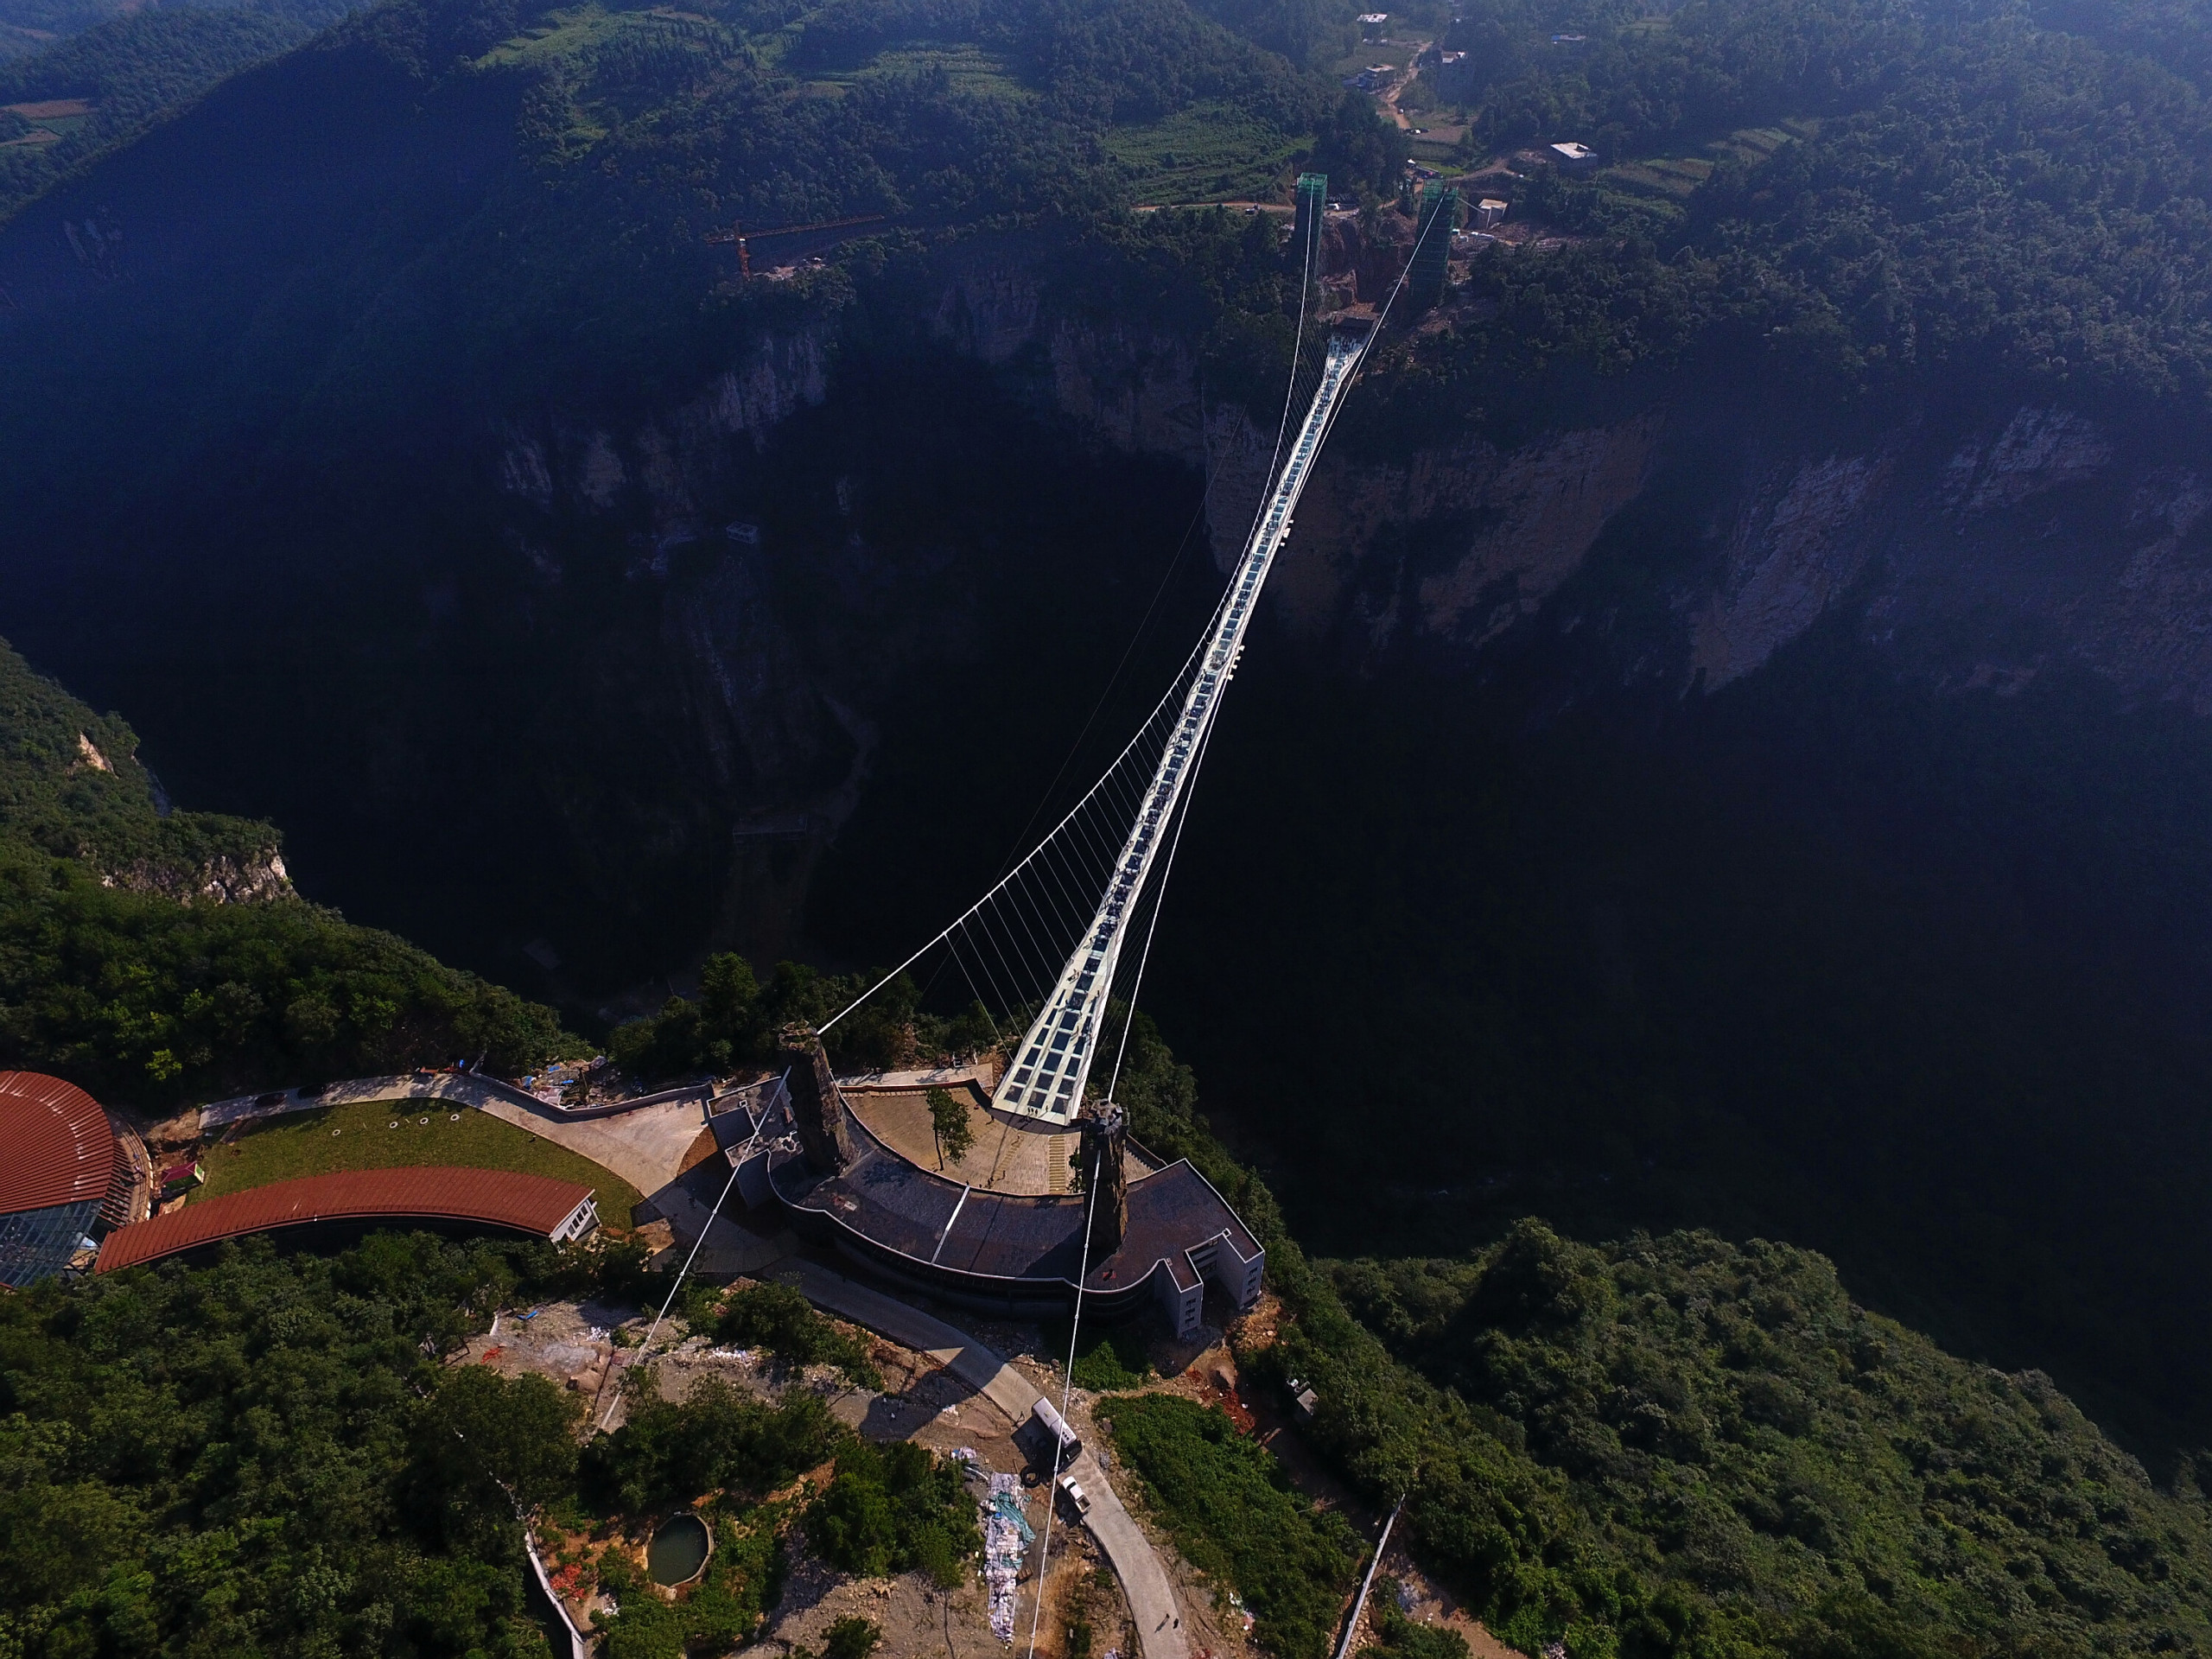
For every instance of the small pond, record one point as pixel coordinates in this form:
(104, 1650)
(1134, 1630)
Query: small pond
(678, 1550)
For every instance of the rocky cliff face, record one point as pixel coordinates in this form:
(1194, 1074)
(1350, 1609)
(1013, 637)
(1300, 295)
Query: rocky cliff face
(1979, 557)
(2034, 521)
(1977, 554)
(224, 879)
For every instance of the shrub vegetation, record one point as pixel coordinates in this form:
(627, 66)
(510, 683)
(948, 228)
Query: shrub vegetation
(1400, 1637)
(780, 1319)
(895, 1507)
(668, 1453)
(1679, 1446)
(1234, 1514)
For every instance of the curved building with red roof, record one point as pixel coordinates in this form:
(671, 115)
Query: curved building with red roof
(57, 1160)
(340, 1207)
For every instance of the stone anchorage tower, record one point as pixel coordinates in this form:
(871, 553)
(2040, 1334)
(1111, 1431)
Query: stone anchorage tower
(1106, 1187)
(818, 1108)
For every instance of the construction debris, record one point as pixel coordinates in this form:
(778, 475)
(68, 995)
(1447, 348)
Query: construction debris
(1006, 1537)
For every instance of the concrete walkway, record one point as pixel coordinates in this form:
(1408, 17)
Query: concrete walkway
(645, 1147)
(1144, 1581)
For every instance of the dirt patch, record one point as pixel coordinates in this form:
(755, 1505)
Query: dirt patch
(919, 1620)
(571, 1343)
(1080, 1589)
(1426, 1602)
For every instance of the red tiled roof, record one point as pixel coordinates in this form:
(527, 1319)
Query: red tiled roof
(55, 1144)
(496, 1198)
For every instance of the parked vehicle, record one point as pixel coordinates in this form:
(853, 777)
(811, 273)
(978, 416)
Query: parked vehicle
(1049, 1432)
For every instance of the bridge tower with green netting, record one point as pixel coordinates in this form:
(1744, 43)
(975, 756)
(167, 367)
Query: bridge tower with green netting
(1439, 217)
(1312, 199)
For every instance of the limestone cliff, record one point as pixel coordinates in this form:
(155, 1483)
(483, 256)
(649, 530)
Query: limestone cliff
(2037, 514)
(222, 879)
(1975, 549)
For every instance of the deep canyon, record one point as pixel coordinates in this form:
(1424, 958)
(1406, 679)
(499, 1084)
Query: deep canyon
(1715, 811)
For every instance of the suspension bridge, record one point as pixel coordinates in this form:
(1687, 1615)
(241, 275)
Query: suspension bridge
(1049, 944)
(1053, 1062)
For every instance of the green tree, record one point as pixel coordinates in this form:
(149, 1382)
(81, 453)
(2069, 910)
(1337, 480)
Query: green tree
(893, 1509)
(949, 1124)
(1400, 1637)
(729, 1007)
(1362, 155)
(780, 1319)
(519, 1434)
(116, 972)
(715, 1440)
(853, 1525)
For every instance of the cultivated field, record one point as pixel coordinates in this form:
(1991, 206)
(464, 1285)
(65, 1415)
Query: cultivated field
(1210, 152)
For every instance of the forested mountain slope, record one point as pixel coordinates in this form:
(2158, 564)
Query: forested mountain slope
(159, 957)
(1726, 746)
(103, 86)
(1712, 1445)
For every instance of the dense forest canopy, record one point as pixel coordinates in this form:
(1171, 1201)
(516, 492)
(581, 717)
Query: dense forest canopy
(272, 1455)
(156, 957)
(1998, 193)
(1721, 1452)
(128, 71)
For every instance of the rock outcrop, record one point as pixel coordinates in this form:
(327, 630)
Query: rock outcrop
(224, 879)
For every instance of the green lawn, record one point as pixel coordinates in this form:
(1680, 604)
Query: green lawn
(361, 1136)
